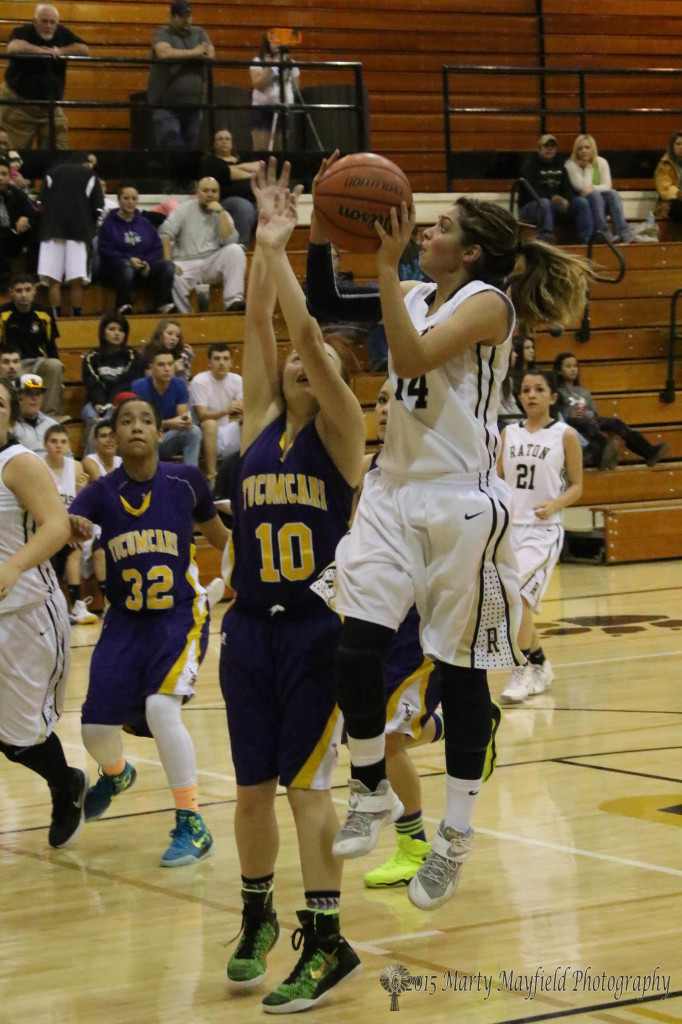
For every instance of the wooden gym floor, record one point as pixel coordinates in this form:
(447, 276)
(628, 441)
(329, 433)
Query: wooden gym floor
(570, 907)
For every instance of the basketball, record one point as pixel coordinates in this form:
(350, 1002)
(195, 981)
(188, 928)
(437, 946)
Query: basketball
(355, 193)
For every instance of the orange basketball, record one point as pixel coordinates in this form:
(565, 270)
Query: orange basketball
(355, 193)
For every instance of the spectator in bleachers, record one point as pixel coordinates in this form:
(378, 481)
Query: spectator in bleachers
(590, 176)
(30, 430)
(545, 172)
(576, 406)
(10, 364)
(38, 79)
(234, 179)
(71, 199)
(69, 479)
(177, 79)
(167, 336)
(18, 226)
(107, 371)
(266, 93)
(216, 397)
(202, 239)
(130, 254)
(103, 459)
(522, 360)
(31, 328)
(668, 177)
(169, 395)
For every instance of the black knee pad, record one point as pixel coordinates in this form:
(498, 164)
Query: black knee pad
(467, 719)
(361, 693)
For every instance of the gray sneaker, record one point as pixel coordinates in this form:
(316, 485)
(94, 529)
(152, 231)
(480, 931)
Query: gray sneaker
(368, 812)
(436, 881)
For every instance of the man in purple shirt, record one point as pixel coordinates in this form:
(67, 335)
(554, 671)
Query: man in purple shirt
(170, 396)
(130, 254)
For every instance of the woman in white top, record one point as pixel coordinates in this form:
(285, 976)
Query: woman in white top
(590, 176)
(542, 462)
(432, 523)
(264, 74)
(34, 625)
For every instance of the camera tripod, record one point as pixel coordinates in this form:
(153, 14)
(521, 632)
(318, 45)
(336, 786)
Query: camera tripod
(284, 62)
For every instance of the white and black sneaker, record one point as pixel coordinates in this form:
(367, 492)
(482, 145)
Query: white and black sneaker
(68, 809)
(519, 687)
(543, 676)
(368, 812)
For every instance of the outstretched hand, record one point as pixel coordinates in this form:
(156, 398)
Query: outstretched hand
(393, 244)
(276, 224)
(266, 185)
(324, 167)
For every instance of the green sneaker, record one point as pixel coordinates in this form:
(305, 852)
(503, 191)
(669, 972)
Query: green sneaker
(259, 934)
(491, 752)
(401, 866)
(99, 796)
(325, 961)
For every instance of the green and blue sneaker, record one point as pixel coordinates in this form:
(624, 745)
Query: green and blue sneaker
(325, 961)
(190, 840)
(99, 796)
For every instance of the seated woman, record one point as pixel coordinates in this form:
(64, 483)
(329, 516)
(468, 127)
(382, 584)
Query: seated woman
(522, 359)
(168, 334)
(668, 178)
(576, 407)
(107, 371)
(590, 176)
(234, 179)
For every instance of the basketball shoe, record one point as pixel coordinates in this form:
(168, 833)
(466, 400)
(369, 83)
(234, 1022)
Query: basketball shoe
(519, 687)
(68, 811)
(190, 840)
(260, 933)
(436, 881)
(368, 812)
(326, 960)
(80, 614)
(543, 676)
(100, 795)
(400, 866)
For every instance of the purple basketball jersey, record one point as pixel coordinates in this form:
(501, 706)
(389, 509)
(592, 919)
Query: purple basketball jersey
(148, 534)
(290, 510)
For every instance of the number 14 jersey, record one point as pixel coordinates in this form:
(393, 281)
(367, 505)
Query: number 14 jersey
(534, 466)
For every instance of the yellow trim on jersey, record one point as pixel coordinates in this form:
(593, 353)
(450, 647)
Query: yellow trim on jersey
(199, 614)
(306, 775)
(420, 675)
(131, 510)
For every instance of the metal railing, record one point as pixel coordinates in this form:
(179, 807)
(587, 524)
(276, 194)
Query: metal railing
(211, 106)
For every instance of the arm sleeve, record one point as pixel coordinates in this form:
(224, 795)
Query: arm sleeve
(606, 182)
(51, 340)
(573, 172)
(86, 503)
(325, 300)
(204, 509)
(106, 241)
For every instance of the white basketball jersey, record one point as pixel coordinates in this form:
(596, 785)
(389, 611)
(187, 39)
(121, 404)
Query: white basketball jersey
(100, 465)
(534, 466)
(16, 528)
(65, 479)
(445, 421)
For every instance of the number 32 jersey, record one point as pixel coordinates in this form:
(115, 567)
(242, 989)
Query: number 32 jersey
(148, 534)
(534, 466)
(290, 510)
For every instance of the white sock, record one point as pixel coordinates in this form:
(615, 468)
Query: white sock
(103, 743)
(174, 743)
(460, 800)
(364, 752)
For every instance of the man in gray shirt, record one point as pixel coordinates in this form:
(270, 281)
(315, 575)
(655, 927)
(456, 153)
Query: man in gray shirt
(177, 79)
(200, 238)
